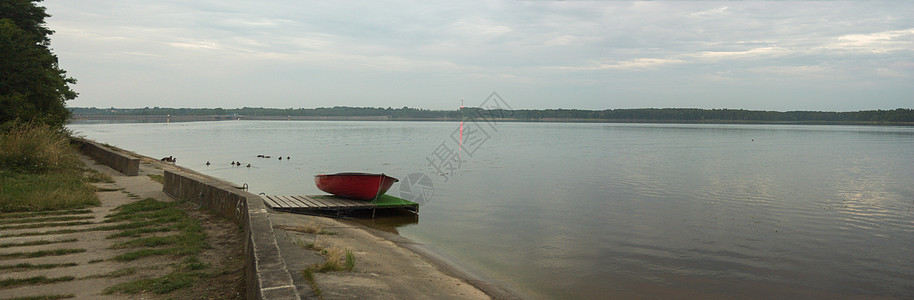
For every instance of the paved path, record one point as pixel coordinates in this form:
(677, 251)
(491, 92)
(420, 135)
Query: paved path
(95, 262)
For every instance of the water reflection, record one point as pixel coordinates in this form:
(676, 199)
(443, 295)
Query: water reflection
(386, 220)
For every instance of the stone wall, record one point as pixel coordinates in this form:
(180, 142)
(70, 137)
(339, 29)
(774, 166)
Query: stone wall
(121, 162)
(265, 271)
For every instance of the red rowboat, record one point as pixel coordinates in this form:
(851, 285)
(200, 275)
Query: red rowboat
(362, 186)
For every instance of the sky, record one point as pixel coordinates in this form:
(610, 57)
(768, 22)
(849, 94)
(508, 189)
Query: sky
(775, 55)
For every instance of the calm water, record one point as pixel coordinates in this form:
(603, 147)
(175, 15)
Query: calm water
(608, 210)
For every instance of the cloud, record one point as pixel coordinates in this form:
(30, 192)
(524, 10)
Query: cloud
(535, 47)
(793, 72)
(638, 64)
(714, 12)
(878, 42)
(755, 52)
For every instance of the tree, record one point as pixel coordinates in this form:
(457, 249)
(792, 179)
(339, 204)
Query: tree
(32, 85)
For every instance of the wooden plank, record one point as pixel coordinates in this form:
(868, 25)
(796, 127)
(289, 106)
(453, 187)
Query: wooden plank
(295, 202)
(289, 202)
(266, 200)
(282, 202)
(332, 201)
(322, 202)
(345, 202)
(306, 201)
(272, 203)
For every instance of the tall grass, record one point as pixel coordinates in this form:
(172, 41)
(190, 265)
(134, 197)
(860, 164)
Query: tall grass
(40, 171)
(36, 148)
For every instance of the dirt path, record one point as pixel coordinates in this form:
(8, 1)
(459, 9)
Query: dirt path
(88, 270)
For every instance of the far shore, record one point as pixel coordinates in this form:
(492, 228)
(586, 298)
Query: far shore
(83, 119)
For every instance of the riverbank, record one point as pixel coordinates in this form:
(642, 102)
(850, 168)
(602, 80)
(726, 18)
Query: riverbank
(383, 267)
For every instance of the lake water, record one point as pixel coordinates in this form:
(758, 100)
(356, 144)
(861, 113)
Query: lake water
(559, 210)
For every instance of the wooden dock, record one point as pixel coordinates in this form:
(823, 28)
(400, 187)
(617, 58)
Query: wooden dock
(324, 204)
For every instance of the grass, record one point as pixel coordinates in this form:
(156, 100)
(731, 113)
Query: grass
(41, 253)
(114, 274)
(43, 297)
(308, 274)
(40, 171)
(44, 225)
(40, 192)
(35, 243)
(338, 259)
(28, 266)
(13, 282)
(189, 240)
(158, 285)
(44, 219)
(157, 178)
(311, 228)
(37, 148)
(44, 213)
(149, 215)
(59, 231)
(96, 176)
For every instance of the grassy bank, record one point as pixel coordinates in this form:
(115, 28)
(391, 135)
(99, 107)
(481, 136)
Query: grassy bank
(39, 170)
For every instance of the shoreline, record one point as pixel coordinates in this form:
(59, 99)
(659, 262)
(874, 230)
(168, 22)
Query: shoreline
(445, 264)
(448, 267)
(84, 119)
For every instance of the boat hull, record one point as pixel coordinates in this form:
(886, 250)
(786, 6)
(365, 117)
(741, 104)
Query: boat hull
(361, 186)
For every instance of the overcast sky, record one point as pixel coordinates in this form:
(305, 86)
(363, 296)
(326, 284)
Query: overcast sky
(831, 56)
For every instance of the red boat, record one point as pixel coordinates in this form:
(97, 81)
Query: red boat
(362, 186)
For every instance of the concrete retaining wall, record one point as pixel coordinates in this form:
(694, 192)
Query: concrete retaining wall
(121, 162)
(265, 271)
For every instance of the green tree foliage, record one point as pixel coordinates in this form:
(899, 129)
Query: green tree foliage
(32, 85)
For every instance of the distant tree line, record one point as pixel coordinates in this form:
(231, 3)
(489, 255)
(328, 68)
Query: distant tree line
(900, 115)
(336, 111)
(699, 115)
